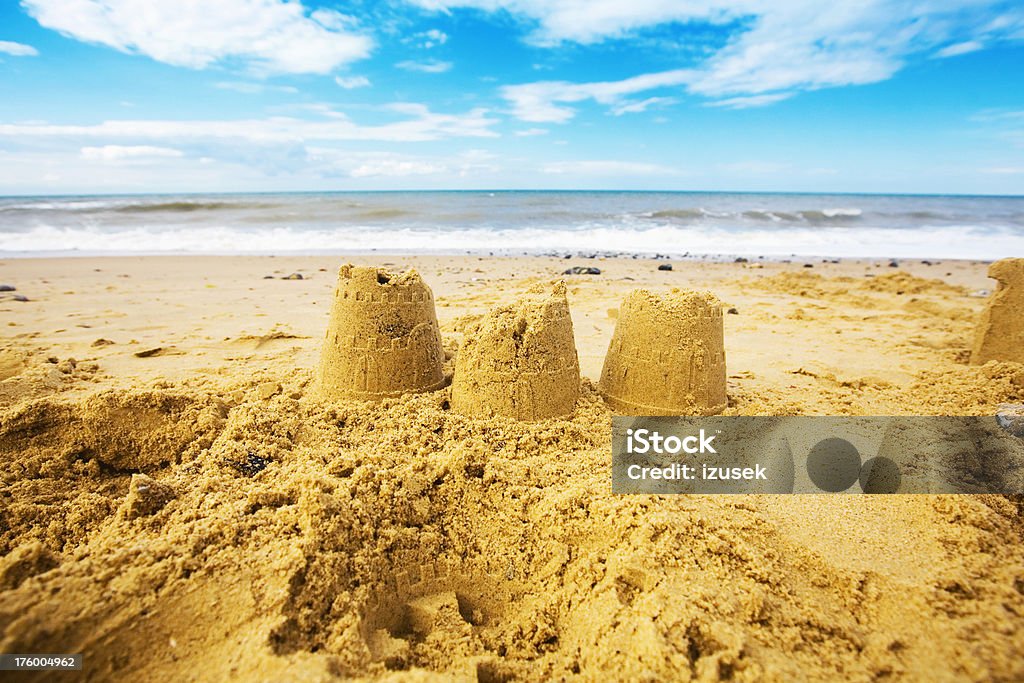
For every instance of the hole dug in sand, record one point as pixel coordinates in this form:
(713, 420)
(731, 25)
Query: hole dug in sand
(382, 339)
(520, 360)
(1000, 333)
(667, 355)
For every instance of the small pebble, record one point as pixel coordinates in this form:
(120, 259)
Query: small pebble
(582, 270)
(665, 266)
(293, 276)
(7, 288)
(733, 311)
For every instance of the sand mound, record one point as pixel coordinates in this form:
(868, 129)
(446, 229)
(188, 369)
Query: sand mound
(667, 355)
(382, 338)
(342, 556)
(1000, 334)
(901, 282)
(520, 360)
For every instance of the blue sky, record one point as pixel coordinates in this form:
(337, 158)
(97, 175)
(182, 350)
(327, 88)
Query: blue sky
(115, 96)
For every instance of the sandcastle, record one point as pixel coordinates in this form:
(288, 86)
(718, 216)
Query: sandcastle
(667, 355)
(1000, 334)
(382, 339)
(520, 360)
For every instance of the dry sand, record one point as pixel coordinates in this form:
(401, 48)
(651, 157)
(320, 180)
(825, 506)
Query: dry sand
(178, 504)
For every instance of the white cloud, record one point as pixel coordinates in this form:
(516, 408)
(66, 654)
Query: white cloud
(960, 49)
(751, 100)
(542, 102)
(352, 82)
(430, 39)
(250, 88)
(8, 47)
(271, 36)
(607, 167)
(420, 124)
(115, 153)
(637, 106)
(1003, 170)
(530, 132)
(396, 168)
(773, 46)
(430, 66)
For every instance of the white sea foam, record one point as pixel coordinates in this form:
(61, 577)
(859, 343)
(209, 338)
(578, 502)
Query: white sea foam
(935, 242)
(640, 222)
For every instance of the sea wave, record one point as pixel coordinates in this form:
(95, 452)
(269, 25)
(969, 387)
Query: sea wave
(928, 242)
(189, 206)
(703, 214)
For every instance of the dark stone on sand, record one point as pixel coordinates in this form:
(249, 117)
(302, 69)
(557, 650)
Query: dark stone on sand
(19, 297)
(733, 311)
(7, 288)
(665, 266)
(808, 265)
(894, 263)
(740, 259)
(293, 276)
(268, 277)
(102, 342)
(582, 270)
(253, 465)
(149, 352)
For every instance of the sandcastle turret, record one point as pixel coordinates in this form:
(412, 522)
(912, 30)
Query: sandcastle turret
(520, 360)
(667, 355)
(1000, 333)
(382, 339)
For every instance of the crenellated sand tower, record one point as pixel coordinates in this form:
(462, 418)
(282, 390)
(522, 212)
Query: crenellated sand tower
(667, 355)
(382, 339)
(520, 360)
(1000, 333)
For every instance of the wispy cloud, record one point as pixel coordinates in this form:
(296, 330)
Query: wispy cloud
(395, 168)
(267, 35)
(429, 39)
(957, 49)
(1004, 170)
(352, 82)
(751, 100)
(543, 101)
(420, 124)
(773, 48)
(8, 47)
(118, 153)
(430, 66)
(638, 106)
(253, 88)
(531, 132)
(607, 167)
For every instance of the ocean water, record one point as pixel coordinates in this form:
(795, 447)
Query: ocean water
(671, 223)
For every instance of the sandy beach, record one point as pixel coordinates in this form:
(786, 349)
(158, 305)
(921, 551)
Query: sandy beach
(177, 502)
